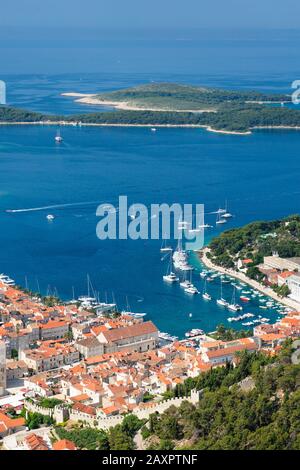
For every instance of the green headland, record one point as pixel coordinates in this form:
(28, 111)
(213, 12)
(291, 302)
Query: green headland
(168, 104)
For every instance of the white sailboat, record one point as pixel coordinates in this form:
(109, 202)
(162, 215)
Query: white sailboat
(164, 247)
(185, 283)
(233, 306)
(226, 215)
(130, 313)
(221, 301)
(205, 294)
(220, 220)
(220, 211)
(190, 288)
(87, 300)
(170, 276)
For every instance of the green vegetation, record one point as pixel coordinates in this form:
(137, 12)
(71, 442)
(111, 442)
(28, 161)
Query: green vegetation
(266, 416)
(255, 241)
(14, 354)
(50, 300)
(230, 334)
(148, 397)
(223, 376)
(282, 291)
(172, 96)
(49, 402)
(119, 437)
(236, 111)
(35, 420)
(84, 438)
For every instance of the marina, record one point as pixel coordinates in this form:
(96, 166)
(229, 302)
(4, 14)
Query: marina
(59, 252)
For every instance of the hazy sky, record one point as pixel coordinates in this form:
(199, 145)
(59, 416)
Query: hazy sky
(132, 14)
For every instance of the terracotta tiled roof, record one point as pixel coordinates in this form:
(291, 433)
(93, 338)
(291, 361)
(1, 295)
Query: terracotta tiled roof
(35, 442)
(231, 350)
(84, 409)
(64, 444)
(138, 329)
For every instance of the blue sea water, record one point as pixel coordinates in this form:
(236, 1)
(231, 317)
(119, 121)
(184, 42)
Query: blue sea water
(257, 174)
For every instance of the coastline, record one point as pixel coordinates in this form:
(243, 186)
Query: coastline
(125, 106)
(103, 124)
(242, 277)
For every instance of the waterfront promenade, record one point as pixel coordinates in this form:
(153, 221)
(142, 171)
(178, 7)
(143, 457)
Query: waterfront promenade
(243, 278)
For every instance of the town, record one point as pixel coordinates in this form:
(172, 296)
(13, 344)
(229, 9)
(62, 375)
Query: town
(73, 364)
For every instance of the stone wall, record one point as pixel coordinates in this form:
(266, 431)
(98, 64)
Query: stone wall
(60, 413)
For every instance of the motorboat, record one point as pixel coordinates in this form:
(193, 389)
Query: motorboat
(191, 290)
(58, 137)
(170, 278)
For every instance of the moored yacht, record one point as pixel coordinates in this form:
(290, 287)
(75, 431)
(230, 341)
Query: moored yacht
(220, 219)
(226, 214)
(185, 284)
(191, 290)
(180, 259)
(170, 278)
(221, 301)
(233, 306)
(205, 294)
(7, 280)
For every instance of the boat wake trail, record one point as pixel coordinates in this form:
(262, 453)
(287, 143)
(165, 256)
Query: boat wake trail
(54, 206)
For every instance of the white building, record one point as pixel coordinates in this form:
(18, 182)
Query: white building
(2, 368)
(293, 283)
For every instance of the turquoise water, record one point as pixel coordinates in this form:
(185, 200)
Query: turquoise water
(257, 174)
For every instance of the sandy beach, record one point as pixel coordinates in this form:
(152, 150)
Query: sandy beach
(242, 277)
(92, 99)
(219, 131)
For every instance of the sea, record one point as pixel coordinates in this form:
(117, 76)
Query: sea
(257, 174)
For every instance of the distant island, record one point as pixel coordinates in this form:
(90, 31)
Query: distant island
(175, 97)
(168, 104)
